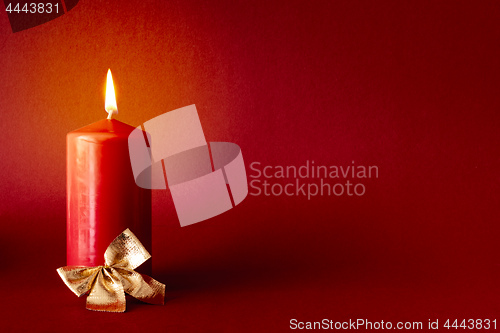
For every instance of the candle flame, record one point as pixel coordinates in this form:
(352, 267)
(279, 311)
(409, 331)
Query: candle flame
(110, 103)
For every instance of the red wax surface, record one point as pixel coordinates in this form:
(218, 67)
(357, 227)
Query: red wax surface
(102, 197)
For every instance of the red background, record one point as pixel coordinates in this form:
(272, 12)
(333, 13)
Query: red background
(411, 87)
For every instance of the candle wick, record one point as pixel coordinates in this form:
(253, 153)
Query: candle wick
(110, 114)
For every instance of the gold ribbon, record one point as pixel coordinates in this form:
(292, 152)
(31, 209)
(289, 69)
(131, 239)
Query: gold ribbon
(108, 284)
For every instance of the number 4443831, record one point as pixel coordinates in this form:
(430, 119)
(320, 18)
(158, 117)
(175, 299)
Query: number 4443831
(472, 324)
(33, 8)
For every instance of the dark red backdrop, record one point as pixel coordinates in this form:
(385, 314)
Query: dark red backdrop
(411, 87)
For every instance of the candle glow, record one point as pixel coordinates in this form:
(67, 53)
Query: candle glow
(110, 102)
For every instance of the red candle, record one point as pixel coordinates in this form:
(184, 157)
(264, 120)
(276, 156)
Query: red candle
(102, 197)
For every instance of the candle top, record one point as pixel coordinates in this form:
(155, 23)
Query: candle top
(103, 130)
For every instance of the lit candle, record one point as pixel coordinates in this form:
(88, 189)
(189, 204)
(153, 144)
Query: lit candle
(102, 197)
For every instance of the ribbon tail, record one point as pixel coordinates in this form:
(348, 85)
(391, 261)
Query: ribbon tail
(107, 293)
(142, 287)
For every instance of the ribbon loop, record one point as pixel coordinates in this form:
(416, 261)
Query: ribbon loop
(78, 278)
(126, 251)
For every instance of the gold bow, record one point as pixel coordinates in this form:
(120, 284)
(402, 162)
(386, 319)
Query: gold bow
(109, 283)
